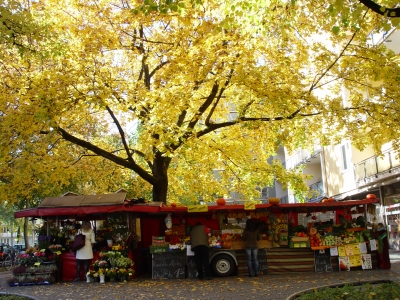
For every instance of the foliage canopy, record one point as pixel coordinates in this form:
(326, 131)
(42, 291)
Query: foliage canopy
(154, 96)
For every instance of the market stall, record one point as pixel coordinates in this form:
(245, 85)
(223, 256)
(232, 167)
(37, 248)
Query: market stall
(334, 235)
(295, 237)
(61, 219)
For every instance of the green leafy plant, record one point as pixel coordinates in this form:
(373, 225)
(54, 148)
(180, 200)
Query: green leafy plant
(360, 291)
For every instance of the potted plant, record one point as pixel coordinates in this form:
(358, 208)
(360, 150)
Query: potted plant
(28, 280)
(40, 280)
(122, 274)
(14, 281)
(49, 279)
(112, 274)
(19, 270)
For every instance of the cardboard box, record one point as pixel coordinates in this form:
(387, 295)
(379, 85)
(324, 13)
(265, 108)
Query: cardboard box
(299, 244)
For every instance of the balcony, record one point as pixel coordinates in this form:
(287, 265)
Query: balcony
(318, 187)
(376, 167)
(319, 195)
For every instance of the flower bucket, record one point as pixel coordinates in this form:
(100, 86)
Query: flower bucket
(89, 279)
(102, 279)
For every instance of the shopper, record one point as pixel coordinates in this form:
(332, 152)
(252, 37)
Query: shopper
(383, 254)
(251, 236)
(199, 245)
(85, 254)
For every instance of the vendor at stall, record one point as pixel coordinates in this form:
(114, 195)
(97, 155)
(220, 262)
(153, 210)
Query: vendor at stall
(199, 245)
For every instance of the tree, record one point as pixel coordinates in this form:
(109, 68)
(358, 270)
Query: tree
(166, 95)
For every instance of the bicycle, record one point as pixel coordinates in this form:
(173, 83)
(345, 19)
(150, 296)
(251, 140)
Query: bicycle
(9, 259)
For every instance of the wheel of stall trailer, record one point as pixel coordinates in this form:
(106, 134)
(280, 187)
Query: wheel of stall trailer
(223, 265)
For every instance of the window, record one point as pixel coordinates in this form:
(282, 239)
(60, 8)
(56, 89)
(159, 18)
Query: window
(345, 154)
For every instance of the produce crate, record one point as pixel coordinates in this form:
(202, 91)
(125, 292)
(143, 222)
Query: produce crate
(238, 245)
(264, 244)
(299, 238)
(299, 244)
(158, 249)
(283, 240)
(159, 241)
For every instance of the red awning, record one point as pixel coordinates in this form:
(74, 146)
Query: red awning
(63, 211)
(85, 210)
(327, 205)
(154, 207)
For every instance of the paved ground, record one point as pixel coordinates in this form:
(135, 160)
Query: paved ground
(274, 287)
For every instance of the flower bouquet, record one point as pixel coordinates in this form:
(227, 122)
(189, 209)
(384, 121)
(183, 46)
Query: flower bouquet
(100, 264)
(123, 262)
(111, 256)
(122, 274)
(112, 274)
(55, 248)
(90, 275)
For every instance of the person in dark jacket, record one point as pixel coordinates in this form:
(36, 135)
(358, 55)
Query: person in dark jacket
(251, 236)
(199, 245)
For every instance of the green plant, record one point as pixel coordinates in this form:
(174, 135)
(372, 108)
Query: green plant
(357, 291)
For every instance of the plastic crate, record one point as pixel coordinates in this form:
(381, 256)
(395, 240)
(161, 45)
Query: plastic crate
(158, 241)
(158, 249)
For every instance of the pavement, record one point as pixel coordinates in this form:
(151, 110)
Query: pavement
(273, 287)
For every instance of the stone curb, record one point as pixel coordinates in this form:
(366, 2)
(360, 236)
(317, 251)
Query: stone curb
(27, 297)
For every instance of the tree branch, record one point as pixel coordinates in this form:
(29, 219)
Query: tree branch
(116, 159)
(122, 134)
(381, 10)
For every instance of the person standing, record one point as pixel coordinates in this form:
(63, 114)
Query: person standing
(383, 254)
(251, 236)
(85, 254)
(199, 245)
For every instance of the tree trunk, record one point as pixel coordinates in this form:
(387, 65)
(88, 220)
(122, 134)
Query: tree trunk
(160, 188)
(26, 231)
(26, 227)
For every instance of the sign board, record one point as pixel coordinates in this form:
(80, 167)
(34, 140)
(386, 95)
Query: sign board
(322, 261)
(191, 268)
(262, 261)
(197, 208)
(168, 265)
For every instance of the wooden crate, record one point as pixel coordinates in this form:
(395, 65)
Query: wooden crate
(265, 244)
(238, 245)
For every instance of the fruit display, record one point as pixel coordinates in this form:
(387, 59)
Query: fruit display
(175, 239)
(178, 229)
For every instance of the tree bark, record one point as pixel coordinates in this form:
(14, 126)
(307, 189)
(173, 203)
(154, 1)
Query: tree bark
(26, 231)
(160, 172)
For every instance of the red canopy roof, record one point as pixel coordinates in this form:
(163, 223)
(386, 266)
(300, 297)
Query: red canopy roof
(157, 207)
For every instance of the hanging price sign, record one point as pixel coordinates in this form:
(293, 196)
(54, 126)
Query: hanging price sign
(197, 208)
